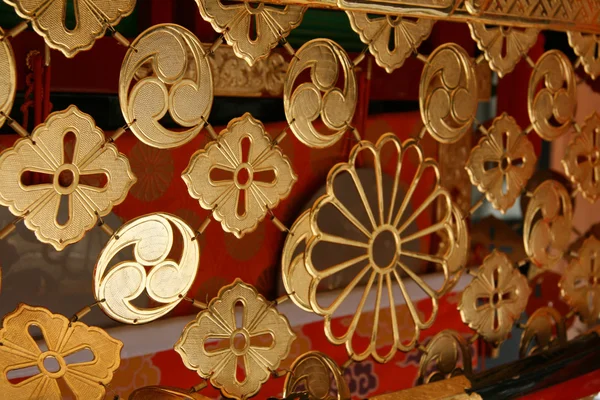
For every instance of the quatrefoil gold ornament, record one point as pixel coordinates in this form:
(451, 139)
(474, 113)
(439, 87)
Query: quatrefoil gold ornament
(585, 47)
(495, 298)
(165, 69)
(259, 318)
(446, 355)
(544, 329)
(8, 77)
(377, 32)
(317, 374)
(240, 176)
(271, 24)
(493, 39)
(63, 340)
(502, 163)
(91, 175)
(92, 18)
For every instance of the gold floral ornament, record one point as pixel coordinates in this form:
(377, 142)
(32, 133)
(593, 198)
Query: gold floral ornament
(582, 159)
(495, 298)
(544, 329)
(448, 94)
(64, 341)
(259, 318)
(552, 108)
(379, 31)
(548, 224)
(92, 177)
(252, 29)
(447, 355)
(8, 77)
(381, 221)
(502, 163)
(503, 46)
(584, 46)
(240, 176)
(580, 283)
(92, 18)
(317, 374)
(167, 70)
(321, 97)
(168, 279)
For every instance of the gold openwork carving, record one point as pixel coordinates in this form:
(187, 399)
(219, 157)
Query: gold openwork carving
(585, 45)
(580, 283)
(93, 18)
(377, 32)
(93, 177)
(62, 338)
(8, 77)
(495, 298)
(168, 280)
(320, 98)
(387, 217)
(548, 224)
(234, 21)
(317, 374)
(493, 39)
(240, 185)
(219, 322)
(502, 163)
(552, 108)
(165, 70)
(544, 329)
(448, 95)
(582, 159)
(446, 355)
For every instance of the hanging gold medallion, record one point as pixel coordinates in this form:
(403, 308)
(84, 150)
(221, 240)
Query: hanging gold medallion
(544, 329)
(552, 108)
(63, 340)
(165, 393)
(582, 159)
(503, 46)
(8, 77)
(151, 238)
(91, 175)
(240, 176)
(378, 31)
(580, 283)
(448, 94)
(235, 21)
(380, 219)
(585, 47)
(446, 355)
(495, 298)
(220, 322)
(92, 18)
(453, 246)
(166, 69)
(317, 374)
(502, 163)
(321, 97)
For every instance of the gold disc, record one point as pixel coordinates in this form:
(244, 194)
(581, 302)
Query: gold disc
(8, 77)
(544, 329)
(317, 374)
(446, 355)
(168, 280)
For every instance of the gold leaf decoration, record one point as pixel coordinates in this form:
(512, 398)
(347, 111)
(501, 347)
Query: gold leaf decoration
(447, 355)
(8, 77)
(544, 329)
(585, 47)
(317, 374)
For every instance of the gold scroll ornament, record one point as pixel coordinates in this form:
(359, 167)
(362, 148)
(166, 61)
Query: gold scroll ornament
(377, 31)
(495, 298)
(446, 355)
(234, 22)
(85, 379)
(8, 77)
(552, 108)
(502, 163)
(219, 322)
(295, 275)
(92, 17)
(167, 70)
(77, 175)
(239, 185)
(585, 46)
(317, 374)
(151, 238)
(548, 223)
(544, 329)
(320, 98)
(448, 94)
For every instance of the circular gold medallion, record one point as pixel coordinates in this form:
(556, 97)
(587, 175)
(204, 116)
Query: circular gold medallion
(317, 374)
(544, 329)
(447, 354)
(8, 77)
